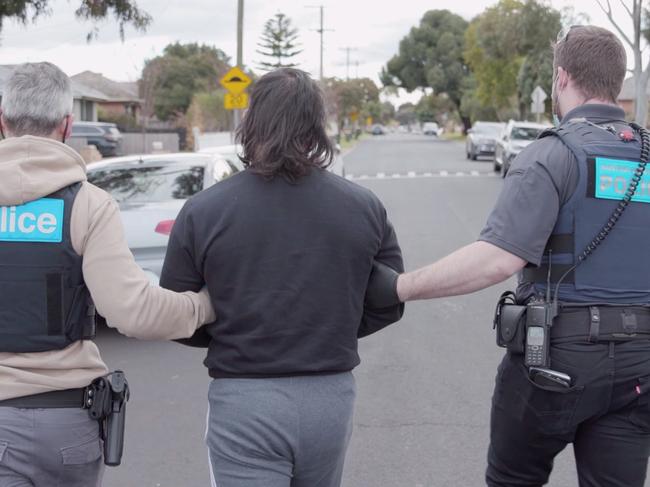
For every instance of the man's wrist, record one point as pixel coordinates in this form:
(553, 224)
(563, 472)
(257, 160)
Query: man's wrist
(402, 287)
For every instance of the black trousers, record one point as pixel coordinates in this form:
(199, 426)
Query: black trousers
(605, 414)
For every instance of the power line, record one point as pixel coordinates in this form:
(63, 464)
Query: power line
(356, 63)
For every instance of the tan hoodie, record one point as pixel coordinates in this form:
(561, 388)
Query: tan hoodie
(34, 167)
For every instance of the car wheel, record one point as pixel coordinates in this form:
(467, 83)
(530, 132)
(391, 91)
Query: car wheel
(474, 156)
(467, 154)
(496, 166)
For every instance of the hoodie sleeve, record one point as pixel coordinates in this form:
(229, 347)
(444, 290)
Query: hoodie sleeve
(179, 273)
(390, 254)
(120, 289)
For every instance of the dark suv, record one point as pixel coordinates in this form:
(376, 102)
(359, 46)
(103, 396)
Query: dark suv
(105, 136)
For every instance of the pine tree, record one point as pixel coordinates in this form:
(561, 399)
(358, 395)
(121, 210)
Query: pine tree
(278, 42)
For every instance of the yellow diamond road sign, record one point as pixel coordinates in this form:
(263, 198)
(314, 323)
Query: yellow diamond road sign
(236, 102)
(235, 81)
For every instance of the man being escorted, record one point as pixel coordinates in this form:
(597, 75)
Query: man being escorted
(61, 242)
(573, 211)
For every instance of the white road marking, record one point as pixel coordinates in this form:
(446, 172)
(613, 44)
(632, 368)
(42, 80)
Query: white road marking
(414, 175)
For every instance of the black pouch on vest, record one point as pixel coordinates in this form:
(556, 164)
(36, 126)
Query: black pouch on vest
(510, 323)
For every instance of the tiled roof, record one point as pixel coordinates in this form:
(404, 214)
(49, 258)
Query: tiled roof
(79, 91)
(112, 90)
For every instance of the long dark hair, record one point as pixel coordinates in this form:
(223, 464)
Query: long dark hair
(283, 131)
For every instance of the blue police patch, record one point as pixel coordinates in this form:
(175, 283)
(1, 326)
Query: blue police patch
(36, 221)
(613, 178)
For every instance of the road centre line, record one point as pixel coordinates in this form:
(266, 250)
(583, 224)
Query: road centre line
(414, 175)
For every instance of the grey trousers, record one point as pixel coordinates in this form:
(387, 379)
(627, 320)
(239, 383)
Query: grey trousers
(280, 432)
(49, 448)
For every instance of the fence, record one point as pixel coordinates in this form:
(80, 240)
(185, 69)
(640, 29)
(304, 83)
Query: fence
(77, 143)
(138, 143)
(214, 139)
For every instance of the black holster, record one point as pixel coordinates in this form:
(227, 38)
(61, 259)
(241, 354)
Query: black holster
(510, 323)
(106, 402)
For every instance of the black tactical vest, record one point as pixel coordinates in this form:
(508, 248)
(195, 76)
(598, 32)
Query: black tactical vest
(44, 302)
(618, 272)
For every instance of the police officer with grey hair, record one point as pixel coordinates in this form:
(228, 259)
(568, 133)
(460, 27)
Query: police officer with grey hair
(63, 252)
(572, 219)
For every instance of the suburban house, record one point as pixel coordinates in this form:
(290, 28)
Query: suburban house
(626, 97)
(118, 98)
(85, 98)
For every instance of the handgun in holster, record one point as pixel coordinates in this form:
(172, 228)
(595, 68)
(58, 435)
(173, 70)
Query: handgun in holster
(106, 402)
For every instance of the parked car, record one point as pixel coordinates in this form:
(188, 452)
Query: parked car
(481, 139)
(377, 129)
(512, 141)
(105, 136)
(231, 154)
(151, 190)
(431, 128)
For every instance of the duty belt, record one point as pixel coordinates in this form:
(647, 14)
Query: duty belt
(69, 398)
(602, 323)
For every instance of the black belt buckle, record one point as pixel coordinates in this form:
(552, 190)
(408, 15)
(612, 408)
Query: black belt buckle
(630, 325)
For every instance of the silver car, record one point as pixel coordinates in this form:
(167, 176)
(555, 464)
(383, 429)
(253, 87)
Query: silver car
(514, 138)
(481, 139)
(231, 154)
(151, 190)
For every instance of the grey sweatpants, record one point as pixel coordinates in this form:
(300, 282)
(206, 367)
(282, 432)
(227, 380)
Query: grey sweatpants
(280, 432)
(49, 448)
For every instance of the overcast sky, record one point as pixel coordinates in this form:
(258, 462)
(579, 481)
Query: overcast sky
(373, 28)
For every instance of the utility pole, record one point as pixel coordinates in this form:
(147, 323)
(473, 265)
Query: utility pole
(356, 66)
(321, 31)
(240, 32)
(347, 61)
(240, 51)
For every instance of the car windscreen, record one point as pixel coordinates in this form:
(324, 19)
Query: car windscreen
(150, 183)
(85, 130)
(487, 130)
(525, 133)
